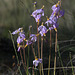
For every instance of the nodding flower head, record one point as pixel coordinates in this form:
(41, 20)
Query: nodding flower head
(55, 26)
(38, 11)
(42, 30)
(61, 13)
(51, 28)
(56, 8)
(22, 35)
(52, 19)
(17, 31)
(48, 22)
(38, 18)
(19, 40)
(53, 15)
(37, 61)
(33, 37)
(28, 42)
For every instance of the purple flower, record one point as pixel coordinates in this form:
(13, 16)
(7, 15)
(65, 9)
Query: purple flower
(17, 31)
(37, 61)
(48, 22)
(42, 30)
(38, 18)
(53, 18)
(61, 13)
(19, 40)
(55, 26)
(50, 28)
(55, 8)
(28, 42)
(22, 35)
(33, 37)
(38, 11)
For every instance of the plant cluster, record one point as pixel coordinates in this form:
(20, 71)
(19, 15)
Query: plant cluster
(52, 24)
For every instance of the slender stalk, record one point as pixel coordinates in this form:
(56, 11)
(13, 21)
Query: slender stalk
(38, 41)
(24, 57)
(27, 72)
(38, 45)
(33, 50)
(42, 53)
(24, 54)
(33, 70)
(41, 47)
(22, 60)
(15, 53)
(49, 54)
(55, 54)
(28, 60)
(72, 65)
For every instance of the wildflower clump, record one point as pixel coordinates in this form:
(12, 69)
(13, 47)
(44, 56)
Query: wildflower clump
(52, 24)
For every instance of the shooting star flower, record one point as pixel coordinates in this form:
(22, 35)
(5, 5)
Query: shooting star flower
(37, 61)
(33, 37)
(42, 30)
(17, 31)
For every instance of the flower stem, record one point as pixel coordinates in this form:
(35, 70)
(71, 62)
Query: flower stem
(22, 60)
(24, 54)
(49, 55)
(42, 53)
(55, 54)
(33, 50)
(38, 41)
(33, 71)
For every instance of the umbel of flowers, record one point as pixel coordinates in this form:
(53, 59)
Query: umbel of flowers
(52, 24)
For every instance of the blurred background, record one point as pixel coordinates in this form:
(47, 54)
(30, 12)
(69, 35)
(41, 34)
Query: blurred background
(17, 13)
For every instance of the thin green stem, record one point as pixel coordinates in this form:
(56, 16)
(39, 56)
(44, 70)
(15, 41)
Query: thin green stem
(15, 53)
(49, 55)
